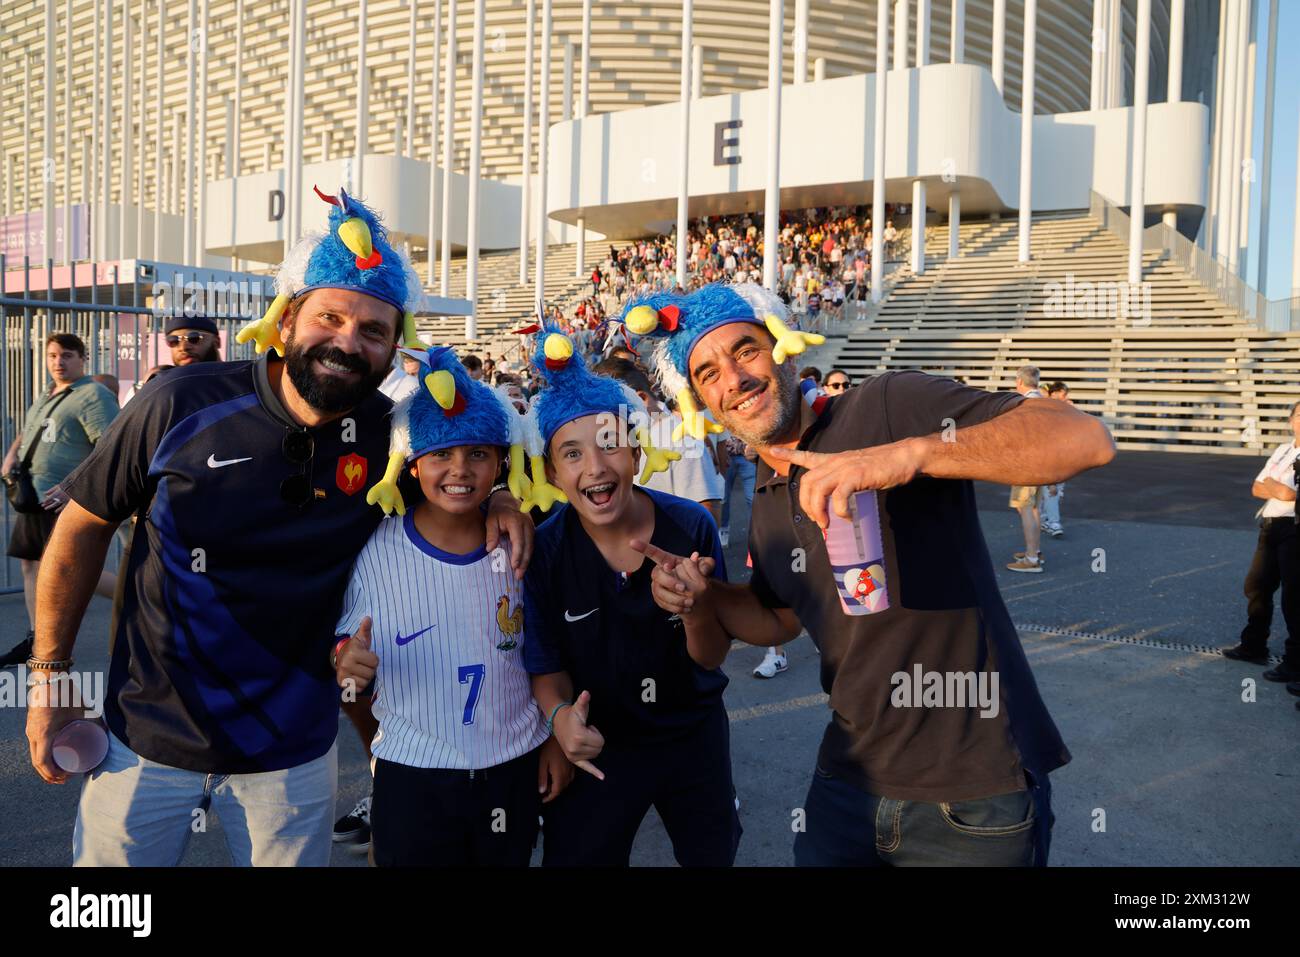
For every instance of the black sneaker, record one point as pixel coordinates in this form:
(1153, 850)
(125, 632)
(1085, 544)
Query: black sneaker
(354, 828)
(1242, 653)
(1282, 672)
(1293, 687)
(19, 653)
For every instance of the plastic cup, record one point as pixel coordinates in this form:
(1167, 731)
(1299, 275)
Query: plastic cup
(857, 556)
(80, 746)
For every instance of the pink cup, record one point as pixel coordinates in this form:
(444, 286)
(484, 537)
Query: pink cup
(857, 556)
(80, 746)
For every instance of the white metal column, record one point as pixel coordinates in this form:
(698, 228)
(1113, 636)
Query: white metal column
(299, 106)
(410, 79)
(800, 41)
(772, 192)
(1266, 154)
(526, 193)
(543, 144)
(918, 227)
(1098, 61)
(957, 38)
(291, 75)
(1245, 161)
(47, 129)
(684, 151)
(999, 44)
(475, 172)
(878, 150)
(566, 110)
(160, 193)
(1027, 129)
(1141, 79)
(697, 71)
(142, 124)
(922, 32)
(67, 134)
(363, 97)
(1295, 239)
(954, 224)
(900, 34)
(584, 88)
(1177, 19)
(106, 140)
(89, 172)
(201, 184)
(448, 142)
(431, 240)
(187, 181)
(128, 141)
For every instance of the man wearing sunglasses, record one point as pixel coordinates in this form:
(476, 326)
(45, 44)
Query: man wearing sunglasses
(249, 483)
(193, 339)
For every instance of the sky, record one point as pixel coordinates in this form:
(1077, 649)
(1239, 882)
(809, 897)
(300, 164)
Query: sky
(1286, 128)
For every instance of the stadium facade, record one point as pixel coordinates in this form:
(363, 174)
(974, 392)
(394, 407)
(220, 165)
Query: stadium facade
(98, 149)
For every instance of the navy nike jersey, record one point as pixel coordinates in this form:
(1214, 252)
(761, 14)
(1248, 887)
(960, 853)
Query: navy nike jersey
(609, 635)
(225, 618)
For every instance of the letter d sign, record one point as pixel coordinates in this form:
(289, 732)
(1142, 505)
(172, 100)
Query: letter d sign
(275, 206)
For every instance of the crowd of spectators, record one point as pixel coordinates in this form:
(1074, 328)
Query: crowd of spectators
(824, 255)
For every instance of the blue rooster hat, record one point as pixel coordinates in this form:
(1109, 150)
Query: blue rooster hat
(571, 391)
(452, 409)
(678, 322)
(448, 409)
(353, 254)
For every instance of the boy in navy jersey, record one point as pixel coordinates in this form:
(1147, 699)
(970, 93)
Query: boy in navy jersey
(633, 694)
(437, 622)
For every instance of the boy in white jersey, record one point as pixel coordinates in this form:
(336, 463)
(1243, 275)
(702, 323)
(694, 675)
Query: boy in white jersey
(437, 622)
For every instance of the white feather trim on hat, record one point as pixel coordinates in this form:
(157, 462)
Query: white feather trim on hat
(399, 436)
(289, 277)
(667, 378)
(762, 300)
(532, 430)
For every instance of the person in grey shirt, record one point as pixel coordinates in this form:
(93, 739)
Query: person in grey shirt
(61, 428)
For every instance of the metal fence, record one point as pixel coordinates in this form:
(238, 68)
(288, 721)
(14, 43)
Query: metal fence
(119, 317)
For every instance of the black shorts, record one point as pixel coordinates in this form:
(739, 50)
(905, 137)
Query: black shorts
(435, 817)
(31, 534)
(688, 781)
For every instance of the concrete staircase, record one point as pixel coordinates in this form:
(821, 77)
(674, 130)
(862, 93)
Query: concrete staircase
(1182, 371)
(503, 304)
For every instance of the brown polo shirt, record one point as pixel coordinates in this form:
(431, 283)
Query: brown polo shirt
(945, 613)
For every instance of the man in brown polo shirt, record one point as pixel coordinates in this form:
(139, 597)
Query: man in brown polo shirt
(906, 773)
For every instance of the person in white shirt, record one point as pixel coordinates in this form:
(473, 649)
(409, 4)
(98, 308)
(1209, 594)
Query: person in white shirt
(402, 381)
(1276, 563)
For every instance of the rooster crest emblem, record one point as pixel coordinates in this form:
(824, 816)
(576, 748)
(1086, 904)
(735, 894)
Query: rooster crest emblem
(350, 476)
(510, 622)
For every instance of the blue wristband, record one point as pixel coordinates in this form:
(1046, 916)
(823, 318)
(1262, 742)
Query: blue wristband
(550, 722)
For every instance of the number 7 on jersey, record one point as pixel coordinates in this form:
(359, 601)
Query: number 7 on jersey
(473, 676)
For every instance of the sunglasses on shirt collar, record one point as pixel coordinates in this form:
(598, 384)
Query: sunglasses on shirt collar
(299, 448)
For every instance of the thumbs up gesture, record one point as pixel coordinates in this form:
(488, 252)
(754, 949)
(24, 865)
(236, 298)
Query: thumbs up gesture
(581, 742)
(356, 662)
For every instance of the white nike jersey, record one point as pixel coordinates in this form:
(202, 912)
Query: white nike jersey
(451, 690)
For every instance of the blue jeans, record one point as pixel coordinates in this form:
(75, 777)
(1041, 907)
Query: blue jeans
(847, 827)
(739, 467)
(138, 813)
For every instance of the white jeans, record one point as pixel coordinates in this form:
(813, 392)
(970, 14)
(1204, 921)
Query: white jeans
(1051, 505)
(138, 813)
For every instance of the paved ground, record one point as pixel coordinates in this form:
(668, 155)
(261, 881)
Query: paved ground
(1185, 771)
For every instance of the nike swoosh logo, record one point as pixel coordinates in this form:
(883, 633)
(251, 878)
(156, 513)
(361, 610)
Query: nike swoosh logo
(568, 617)
(410, 638)
(214, 464)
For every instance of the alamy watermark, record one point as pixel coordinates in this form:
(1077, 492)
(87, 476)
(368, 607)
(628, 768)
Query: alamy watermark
(1101, 300)
(946, 689)
(236, 299)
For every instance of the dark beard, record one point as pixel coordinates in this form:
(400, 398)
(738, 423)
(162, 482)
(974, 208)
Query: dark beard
(787, 403)
(327, 393)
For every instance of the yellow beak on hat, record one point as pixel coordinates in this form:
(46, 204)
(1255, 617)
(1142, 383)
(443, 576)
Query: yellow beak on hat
(355, 234)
